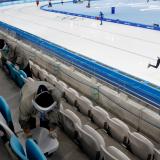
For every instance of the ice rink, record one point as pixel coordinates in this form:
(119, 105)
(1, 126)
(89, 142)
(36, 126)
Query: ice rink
(125, 48)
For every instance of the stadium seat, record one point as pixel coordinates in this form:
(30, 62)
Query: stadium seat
(141, 146)
(12, 70)
(84, 105)
(5, 111)
(156, 154)
(69, 121)
(51, 79)
(17, 148)
(35, 70)
(118, 130)
(112, 153)
(100, 116)
(43, 74)
(71, 95)
(90, 141)
(61, 86)
(21, 78)
(18, 76)
(33, 151)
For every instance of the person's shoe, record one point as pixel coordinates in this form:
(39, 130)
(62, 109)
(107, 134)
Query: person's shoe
(53, 134)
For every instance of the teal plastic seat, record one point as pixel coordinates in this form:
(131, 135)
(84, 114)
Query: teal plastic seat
(20, 79)
(17, 148)
(12, 70)
(6, 113)
(33, 151)
(18, 76)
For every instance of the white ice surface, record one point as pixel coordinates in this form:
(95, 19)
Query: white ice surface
(126, 48)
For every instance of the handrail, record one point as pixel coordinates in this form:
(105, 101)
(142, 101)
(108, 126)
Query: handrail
(140, 89)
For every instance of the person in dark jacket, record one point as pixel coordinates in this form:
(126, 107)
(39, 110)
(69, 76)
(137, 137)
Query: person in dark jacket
(16, 56)
(157, 64)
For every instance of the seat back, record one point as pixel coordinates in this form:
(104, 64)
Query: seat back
(35, 69)
(118, 130)
(100, 116)
(43, 75)
(71, 95)
(12, 70)
(90, 141)
(112, 153)
(51, 79)
(141, 146)
(21, 78)
(33, 151)
(157, 154)
(5, 111)
(17, 148)
(84, 105)
(61, 86)
(69, 121)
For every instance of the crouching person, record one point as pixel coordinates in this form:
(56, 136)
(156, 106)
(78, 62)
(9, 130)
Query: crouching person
(39, 106)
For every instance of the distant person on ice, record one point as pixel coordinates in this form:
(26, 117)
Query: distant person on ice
(157, 64)
(101, 16)
(49, 4)
(37, 3)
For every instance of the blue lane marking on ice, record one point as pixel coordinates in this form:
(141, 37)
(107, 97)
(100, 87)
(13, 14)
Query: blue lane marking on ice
(138, 13)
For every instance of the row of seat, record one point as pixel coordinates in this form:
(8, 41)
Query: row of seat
(12, 142)
(137, 143)
(117, 129)
(89, 139)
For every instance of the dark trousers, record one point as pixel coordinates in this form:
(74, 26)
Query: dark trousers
(155, 66)
(44, 123)
(27, 70)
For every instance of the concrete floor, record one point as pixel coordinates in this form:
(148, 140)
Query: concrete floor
(67, 150)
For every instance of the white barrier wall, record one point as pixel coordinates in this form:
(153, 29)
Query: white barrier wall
(142, 118)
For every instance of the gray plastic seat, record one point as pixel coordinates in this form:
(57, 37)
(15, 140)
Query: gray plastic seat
(118, 130)
(112, 153)
(43, 75)
(71, 95)
(51, 79)
(90, 141)
(84, 105)
(141, 146)
(35, 70)
(100, 116)
(62, 86)
(69, 121)
(156, 154)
